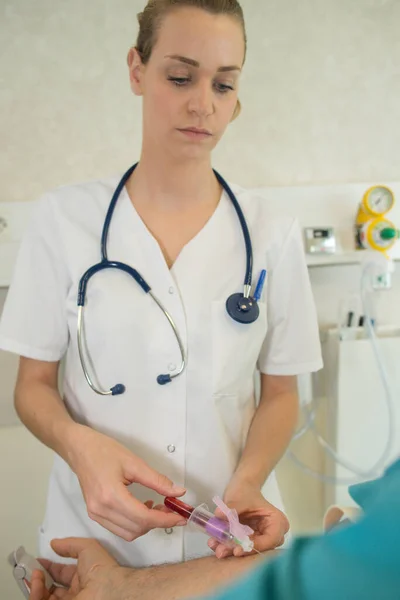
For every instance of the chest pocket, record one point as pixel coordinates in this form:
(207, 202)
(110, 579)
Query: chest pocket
(236, 347)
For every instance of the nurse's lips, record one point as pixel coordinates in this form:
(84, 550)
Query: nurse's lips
(196, 133)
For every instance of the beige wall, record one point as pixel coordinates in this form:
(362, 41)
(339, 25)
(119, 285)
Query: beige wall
(320, 93)
(24, 468)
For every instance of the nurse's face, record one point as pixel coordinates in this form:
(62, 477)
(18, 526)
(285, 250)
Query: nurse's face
(190, 84)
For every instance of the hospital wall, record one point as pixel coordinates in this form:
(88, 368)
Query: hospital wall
(320, 105)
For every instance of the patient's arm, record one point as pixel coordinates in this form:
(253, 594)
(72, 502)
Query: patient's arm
(186, 580)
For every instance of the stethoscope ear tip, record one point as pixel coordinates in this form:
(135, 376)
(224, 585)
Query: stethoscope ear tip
(164, 379)
(118, 389)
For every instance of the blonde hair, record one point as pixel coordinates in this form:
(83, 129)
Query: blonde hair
(150, 20)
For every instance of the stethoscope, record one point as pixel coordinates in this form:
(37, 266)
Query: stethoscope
(242, 307)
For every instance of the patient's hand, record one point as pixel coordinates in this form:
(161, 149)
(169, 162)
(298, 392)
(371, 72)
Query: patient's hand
(96, 576)
(269, 523)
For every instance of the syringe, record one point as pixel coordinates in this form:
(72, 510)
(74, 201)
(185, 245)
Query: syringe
(201, 518)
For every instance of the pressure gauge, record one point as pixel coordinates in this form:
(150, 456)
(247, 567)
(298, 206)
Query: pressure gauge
(378, 200)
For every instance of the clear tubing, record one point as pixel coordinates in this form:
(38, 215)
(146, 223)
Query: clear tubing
(378, 467)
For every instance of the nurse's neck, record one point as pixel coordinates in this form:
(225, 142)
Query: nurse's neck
(170, 186)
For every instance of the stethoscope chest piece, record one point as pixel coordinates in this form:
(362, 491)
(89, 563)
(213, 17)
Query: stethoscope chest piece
(242, 309)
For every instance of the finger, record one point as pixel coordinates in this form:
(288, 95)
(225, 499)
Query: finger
(271, 539)
(141, 518)
(121, 509)
(149, 503)
(126, 534)
(218, 513)
(238, 551)
(61, 573)
(220, 549)
(146, 519)
(163, 508)
(145, 475)
(45, 563)
(141, 526)
(73, 547)
(281, 542)
(213, 544)
(61, 593)
(38, 590)
(123, 515)
(129, 518)
(37, 586)
(223, 552)
(159, 518)
(144, 522)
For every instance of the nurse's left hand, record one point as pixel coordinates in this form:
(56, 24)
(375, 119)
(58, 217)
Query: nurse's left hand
(269, 523)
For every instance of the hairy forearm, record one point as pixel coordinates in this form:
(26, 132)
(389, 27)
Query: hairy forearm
(43, 412)
(269, 435)
(186, 580)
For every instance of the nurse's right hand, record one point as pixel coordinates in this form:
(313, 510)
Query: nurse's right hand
(105, 468)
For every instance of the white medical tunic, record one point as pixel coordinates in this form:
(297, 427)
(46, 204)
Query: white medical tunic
(194, 429)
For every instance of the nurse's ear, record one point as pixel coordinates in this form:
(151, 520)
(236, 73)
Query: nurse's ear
(136, 70)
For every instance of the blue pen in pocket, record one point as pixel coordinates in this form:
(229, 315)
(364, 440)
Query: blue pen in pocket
(260, 285)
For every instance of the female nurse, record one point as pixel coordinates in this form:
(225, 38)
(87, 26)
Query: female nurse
(174, 221)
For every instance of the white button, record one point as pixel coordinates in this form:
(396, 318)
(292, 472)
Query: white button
(171, 290)
(169, 531)
(171, 367)
(171, 448)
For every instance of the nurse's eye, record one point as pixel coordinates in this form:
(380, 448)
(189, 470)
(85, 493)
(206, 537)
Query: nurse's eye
(179, 81)
(223, 88)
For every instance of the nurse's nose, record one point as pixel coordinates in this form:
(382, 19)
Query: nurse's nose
(201, 101)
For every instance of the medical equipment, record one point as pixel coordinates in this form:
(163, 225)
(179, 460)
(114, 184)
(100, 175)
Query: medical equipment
(378, 235)
(377, 201)
(375, 265)
(320, 240)
(231, 533)
(23, 565)
(372, 230)
(241, 306)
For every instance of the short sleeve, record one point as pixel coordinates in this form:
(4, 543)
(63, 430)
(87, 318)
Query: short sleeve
(34, 322)
(292, 344)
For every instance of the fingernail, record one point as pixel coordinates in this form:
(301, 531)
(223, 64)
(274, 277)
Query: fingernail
(180, 523)
(178, 490)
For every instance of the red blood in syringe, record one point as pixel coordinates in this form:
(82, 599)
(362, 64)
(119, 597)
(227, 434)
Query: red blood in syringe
(185, 510)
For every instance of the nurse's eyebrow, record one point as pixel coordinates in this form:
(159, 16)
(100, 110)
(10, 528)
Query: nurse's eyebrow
(195, 63)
